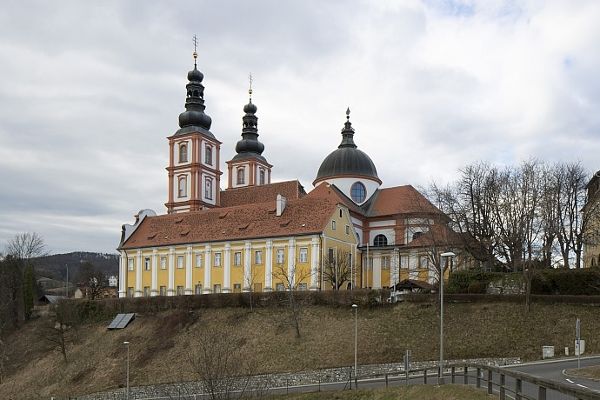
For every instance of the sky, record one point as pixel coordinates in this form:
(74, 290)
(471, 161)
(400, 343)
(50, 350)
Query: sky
(89, 92)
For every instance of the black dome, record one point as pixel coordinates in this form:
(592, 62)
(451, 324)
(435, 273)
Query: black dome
(347, 160)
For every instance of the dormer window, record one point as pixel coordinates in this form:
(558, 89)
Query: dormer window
(183, 153)
(182, 186)
(240, 176)
(208, 155)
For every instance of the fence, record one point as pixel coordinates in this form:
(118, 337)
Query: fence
(495, 380)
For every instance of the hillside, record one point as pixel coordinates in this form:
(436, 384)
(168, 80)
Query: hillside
(55, 266)
(161, 343)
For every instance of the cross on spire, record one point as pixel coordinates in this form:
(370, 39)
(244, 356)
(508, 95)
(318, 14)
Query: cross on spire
(250, 86)
(195, 54)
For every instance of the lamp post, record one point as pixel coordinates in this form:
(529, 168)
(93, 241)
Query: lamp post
(445, 256)
(127, 344)
(355, 307)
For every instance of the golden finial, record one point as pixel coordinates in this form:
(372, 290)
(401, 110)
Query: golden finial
(195, 54)
(250, 87)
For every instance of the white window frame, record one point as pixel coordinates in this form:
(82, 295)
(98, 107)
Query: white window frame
(199, 257)
(280, 253)
(217, 259)
(163, 262)
(303, 255)
(130, 264)
(147, 264)
(237, 258)
(258, 257)
(180, 262)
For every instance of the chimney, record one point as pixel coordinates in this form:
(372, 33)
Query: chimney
(280, 204)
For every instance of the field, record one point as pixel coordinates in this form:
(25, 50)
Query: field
(161, 342)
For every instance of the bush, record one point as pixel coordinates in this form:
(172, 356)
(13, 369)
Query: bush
(567, 282)
(471, 281)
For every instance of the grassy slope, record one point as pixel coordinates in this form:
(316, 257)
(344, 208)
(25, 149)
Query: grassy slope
(448, 392)
(160, 343)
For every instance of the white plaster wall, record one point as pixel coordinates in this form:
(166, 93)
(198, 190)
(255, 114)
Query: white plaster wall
(376, 224)
(344, 184)
(389, 234)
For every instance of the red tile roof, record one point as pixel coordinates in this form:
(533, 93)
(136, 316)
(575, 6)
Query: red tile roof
(400, 200)
(306, 215)
(260, 194)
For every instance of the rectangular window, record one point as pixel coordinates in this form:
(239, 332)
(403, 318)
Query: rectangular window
(280, 256)
(302, 286)
(424, 262)
(385, 263)
(333, 225)
(179, 290)
(198, 260)
(163, 291)
(303, 254)
(129, 292)
(198, 288)
(130, 264)
(208, 155)
(147, 264)
(347, 229)
(280, 287)
(217, 260)
(237, 258)
(180, 262)
(217, 288)
(163, 263)
(146, 291)
(258, 257)
(237, 287)
(331, 255)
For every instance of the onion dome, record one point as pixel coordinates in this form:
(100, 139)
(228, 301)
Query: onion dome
(194, 118)
(347, 160)
(249, 146)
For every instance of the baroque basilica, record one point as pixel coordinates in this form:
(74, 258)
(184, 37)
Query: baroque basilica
(259, 235)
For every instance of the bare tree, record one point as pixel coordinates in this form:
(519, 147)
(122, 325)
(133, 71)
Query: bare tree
(93, 279)
(218, 360)
(338, 270)
(26, 245)
(291, 279)
(60, 331)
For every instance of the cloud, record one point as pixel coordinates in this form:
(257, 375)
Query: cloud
(91, 90)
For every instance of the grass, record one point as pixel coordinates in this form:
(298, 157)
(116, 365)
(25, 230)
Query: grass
(592, 372)
(160, 342)
(419, 392)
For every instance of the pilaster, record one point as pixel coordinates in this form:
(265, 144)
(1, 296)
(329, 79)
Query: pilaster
(292, 262)
(207, 269)
(269, 266)
(247, 267)
(138, 275)
(188, 271)
(227, 269)
(154, 284)
(171, 272)
(123, 274)
(314, 264)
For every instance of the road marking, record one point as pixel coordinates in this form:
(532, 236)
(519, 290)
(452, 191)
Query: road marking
(580, 385)
(570, 381)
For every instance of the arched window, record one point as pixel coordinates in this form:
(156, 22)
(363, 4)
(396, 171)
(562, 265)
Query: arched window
(208, 191)
(208, 155)
(240, 176)
(380, 240)
(183, 153)
(182, 186)
(261, 177)
(358, 192)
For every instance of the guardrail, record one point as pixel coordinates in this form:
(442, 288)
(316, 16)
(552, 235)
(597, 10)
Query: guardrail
(479, 373)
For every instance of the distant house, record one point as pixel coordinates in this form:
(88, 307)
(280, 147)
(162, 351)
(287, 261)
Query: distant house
(113, 281)
(50, 299)
(105, 292)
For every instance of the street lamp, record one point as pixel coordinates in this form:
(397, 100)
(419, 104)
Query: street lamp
(445, 256)
(355, 307)
(127, 344)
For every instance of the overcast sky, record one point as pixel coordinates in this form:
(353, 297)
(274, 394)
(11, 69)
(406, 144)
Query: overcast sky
(89, 91)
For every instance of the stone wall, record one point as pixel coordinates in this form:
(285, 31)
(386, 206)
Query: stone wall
(263, 382)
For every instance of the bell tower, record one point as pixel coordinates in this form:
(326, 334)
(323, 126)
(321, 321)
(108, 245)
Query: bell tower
(194, 171)
(248, 167)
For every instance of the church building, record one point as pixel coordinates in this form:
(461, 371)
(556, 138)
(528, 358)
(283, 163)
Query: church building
(258, 235)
